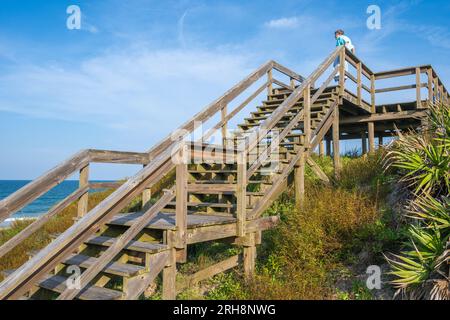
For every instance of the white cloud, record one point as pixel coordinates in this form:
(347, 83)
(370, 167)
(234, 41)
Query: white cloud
(130, 90)
(283, 23)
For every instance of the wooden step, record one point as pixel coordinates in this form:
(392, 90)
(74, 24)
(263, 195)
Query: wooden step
(166, 221)
(114, 268)
(138, 246)
(57, 284)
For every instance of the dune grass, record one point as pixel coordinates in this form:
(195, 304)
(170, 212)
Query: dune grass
(340, 229)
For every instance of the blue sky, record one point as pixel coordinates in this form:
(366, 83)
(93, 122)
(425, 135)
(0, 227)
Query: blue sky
(111, 84)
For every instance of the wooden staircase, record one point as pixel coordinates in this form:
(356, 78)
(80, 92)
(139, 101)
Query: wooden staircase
(219, 193)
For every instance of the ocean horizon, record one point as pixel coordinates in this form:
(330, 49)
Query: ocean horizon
(41, 205)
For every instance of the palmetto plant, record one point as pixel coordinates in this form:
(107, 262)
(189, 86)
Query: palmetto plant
(423, 163)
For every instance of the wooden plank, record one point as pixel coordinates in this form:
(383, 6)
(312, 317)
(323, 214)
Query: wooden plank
(270, 81)
(58, 284)
(317, 170)
(399, 88)
(84, 198)
(372, 94)
(37, 224)
(213, 188)
(42, 185)
(118, 157)
(223, 116)
(342, 72)
(388, 116)
(336, 152)
(299, 174)
(209, 272)
(134, 287)
(139, 246)
(104, 185)
(241, 193)
(399, 72)
(430, 84)
(307, 115)
(249, 253)
(371, 132)
(119, 244)
(359, 83)
(181, 201)
(215, 232)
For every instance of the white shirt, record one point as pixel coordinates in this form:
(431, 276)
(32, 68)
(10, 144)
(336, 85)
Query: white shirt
(348, 42)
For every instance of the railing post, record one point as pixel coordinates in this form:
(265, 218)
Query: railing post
(241, 189)
(342, 71)
(307, 114)
(269, 82)
(372, 93)
(181, 200)
(418, 87)
(436, 90)
(321, 149)
(293, 83)
(83, 201)
(336, 150)
(146, 197)
(371, 131)
(223, 115)
(430, 84)
(363, 142)
(359, 83)
(299, 177)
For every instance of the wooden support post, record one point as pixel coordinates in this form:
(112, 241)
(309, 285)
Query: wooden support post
(146, 197)
(341, 72)
(321, 149)
(363, 142)
(418, 87)
(372, 94)
(359, 83)
(250, 256)
(380, 140)
(299, 177)
(336, 150)
(169, 290)
(181, 203)
(371, 131)
(328, 147)
(223, 113)
(307, 115)
(241, 192)
(436, 90)
(292, 83)
(83, 201)
(270, 82)
(430, 84)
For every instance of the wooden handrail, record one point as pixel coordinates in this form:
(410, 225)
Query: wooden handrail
(159, 164)
(279, 112)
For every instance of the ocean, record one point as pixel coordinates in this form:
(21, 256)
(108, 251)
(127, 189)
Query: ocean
(42, 204)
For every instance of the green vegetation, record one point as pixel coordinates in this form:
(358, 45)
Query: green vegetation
(323, 250)
(423, 164)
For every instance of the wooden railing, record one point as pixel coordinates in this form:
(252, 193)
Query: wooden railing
(436, 90)
(157, 163)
